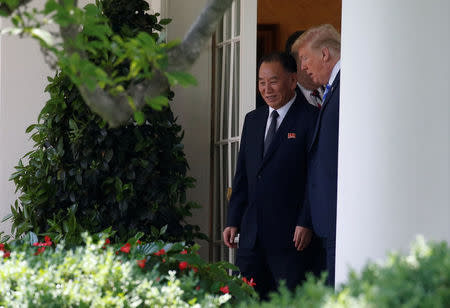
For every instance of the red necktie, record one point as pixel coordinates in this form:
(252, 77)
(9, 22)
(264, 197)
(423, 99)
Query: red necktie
(315, 93)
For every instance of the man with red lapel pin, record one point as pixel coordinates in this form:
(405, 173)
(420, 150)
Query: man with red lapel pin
(266, 205)
(319, 51)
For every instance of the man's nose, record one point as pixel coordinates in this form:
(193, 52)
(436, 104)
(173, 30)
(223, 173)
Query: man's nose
(304, 67)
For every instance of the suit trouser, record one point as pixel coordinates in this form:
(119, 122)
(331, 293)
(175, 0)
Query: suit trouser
(269, 266)
(329, 244)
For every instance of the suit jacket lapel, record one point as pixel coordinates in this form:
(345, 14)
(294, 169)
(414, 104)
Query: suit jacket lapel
(325, 103)
(282, 131)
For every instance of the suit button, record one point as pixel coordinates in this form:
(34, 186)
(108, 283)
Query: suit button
(259, 177)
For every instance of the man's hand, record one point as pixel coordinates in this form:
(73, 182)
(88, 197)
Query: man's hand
(302, 237)
(228, 236)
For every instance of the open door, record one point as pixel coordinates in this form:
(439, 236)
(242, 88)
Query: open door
(234, 84)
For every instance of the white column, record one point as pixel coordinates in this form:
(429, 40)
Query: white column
(394, 128)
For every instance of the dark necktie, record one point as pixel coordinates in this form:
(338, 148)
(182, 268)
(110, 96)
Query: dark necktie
(316, 95)
(271, 132)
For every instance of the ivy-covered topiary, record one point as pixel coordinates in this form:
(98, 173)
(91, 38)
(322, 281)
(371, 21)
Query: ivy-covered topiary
(82, 175)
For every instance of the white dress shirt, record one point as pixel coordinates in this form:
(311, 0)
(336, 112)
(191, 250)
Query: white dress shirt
(334, 72)
(281, 114)
(313, 100)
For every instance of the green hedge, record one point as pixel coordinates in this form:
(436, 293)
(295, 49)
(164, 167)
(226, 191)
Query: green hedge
(160, 274)
(421, 279)
(101, 274)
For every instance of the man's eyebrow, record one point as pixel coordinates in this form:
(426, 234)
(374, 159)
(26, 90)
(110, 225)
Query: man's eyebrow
(270, 78)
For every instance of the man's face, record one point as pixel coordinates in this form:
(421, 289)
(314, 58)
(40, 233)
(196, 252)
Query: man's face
(276, 85)
(304, 79)
(314, 63)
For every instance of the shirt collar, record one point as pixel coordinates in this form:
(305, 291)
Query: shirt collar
(334, 72)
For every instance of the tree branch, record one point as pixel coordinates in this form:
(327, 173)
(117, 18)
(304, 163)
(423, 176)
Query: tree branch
(184, 55)
(116, 110)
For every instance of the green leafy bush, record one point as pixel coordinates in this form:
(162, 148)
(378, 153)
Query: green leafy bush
(83, 176)
(421, 279)
(101, 274)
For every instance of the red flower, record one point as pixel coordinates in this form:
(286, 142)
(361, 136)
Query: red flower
(141, 263)
(47, 242)
(195, 269)
(6, 254)
(126, 248)
(197, 288)
(2, 247)
(249, 282)
(225, 290)
(184, 252)
(164, 260)
(160, 252)
(183, 265)
(107, 242)
(39, 250)
(139, 242)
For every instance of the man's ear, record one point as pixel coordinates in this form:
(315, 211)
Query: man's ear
(325, 54)
(293, 78)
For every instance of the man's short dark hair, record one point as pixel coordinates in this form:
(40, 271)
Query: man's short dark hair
(291, 40)
(285, 59)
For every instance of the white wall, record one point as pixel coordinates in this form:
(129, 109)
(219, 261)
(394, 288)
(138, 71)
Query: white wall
(193, 108)
(394, 128)
(23, 78)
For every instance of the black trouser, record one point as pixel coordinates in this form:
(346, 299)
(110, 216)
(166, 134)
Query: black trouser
(268, 266)
(329, 245)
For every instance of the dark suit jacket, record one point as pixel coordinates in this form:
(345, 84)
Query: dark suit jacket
(268, 193)
(322, 173)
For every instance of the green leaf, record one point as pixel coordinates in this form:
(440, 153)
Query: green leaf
(31, 237)
(50, 6)
(7, 217)
(182, 78)
(191, 259)
(30, 128)
(227, 265)
(149, 248)
(163, 230)
(158, 102)
(165, 21)
(139, 117)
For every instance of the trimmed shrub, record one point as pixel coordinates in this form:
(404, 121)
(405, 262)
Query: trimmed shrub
(421, 279)
(103, 274)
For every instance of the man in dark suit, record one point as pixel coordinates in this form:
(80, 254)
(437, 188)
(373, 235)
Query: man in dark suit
(319, 50)
(266, 205)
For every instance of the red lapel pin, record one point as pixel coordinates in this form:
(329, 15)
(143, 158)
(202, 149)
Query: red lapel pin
(291, 135)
